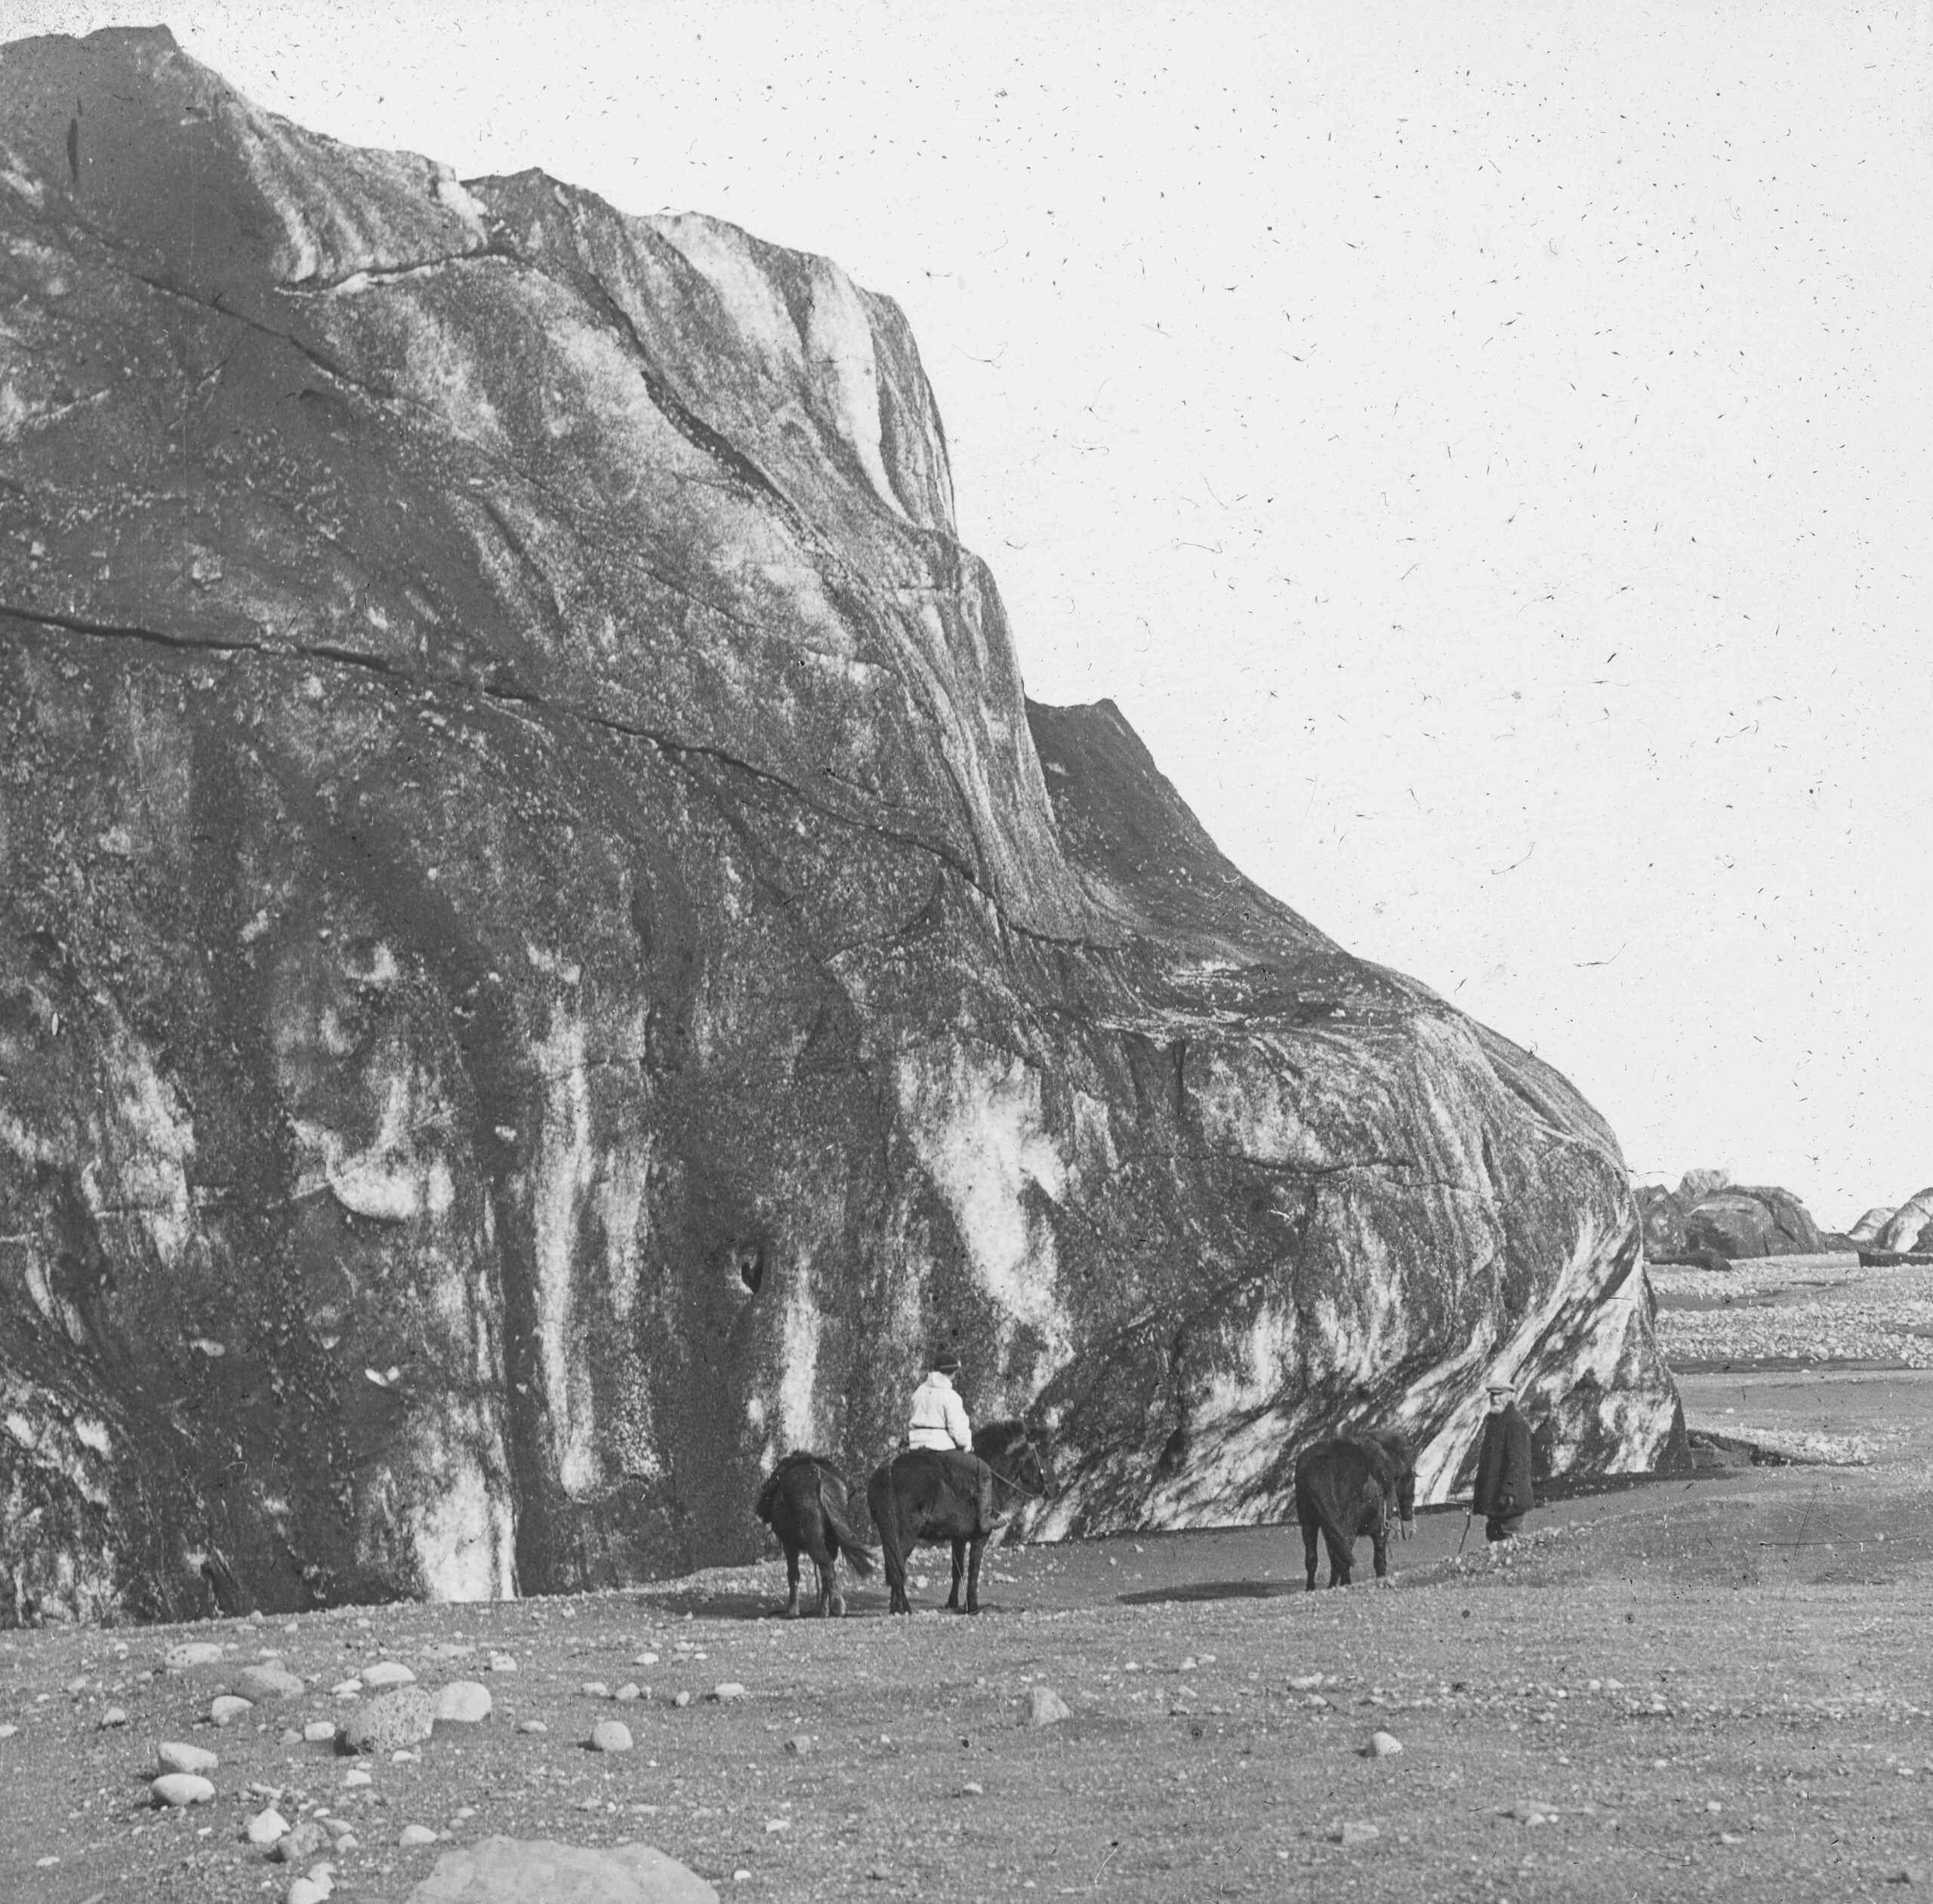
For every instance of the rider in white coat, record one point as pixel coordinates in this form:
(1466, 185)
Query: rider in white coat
(939, 1424)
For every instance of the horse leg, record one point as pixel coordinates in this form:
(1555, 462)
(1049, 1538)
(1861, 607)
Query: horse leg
(792, 1581)
(959, 1568)
(1379, 1537)
(973, 1572)
(1308, 1533)
(828, 1590)
(1341, 1557)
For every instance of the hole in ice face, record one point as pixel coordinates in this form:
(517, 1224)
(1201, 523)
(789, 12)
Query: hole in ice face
(749, 1260)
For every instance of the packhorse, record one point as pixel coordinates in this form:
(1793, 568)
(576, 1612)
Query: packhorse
(928, 1494)
(803, 1502)
(1352, 1485)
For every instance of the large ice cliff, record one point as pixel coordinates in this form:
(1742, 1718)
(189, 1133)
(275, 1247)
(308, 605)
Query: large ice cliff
(544, 955)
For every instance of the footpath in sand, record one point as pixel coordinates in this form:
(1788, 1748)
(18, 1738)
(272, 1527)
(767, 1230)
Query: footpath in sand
(1716, 1686)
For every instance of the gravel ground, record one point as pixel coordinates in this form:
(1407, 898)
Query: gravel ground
(1795, 1310)
(1661, 1702)
(1711, 1686)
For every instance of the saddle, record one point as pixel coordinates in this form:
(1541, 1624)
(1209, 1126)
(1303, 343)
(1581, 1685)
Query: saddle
(971, 1468)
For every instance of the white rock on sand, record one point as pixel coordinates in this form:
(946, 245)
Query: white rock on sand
(266, 1827)
(225, 1710)
(464, 1702)
(1045, 1706)
(179, 1788)
(516, 1870)
(610, 1735)
(193, 1653)
(174, 1756)
(386, 1673)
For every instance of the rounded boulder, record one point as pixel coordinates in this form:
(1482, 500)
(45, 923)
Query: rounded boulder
(180, 1788)
(463, 1702)
(173, 1755)
(265, 1683)
(393, 1720)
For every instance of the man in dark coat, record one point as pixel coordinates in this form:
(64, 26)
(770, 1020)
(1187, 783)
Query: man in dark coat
(1503, 1494)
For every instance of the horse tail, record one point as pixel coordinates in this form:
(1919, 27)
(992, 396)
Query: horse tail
(844, 1541)
(768, 1496)
(882, 1499)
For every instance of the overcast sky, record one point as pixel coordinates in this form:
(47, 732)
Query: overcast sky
(1484, 451)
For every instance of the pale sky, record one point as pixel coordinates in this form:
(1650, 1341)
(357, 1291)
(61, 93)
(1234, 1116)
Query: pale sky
(1484, 451)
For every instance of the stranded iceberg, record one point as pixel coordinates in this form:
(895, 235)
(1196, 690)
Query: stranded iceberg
(544, 956)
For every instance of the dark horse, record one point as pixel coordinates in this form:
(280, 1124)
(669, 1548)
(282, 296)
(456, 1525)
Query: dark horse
(803, 1502)
(923, 1495)
(1353, 1484)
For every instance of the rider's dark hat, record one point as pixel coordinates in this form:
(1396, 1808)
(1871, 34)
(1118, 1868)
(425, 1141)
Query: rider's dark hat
(945, 1361)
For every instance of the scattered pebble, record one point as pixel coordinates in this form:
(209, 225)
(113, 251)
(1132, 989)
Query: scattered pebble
(798, 1744)
(266, 1827)
(644, 1659)
(7, 1732)
(412, 1835)
(386, 1673)
(346, 1689)
(777, 1825)
(610, 1735)
(1383, 1744)
(113, 1716)
(355, 1778)
(502, 1662)
(228, 1709)
(973, 1788)
(306, 1890)
(535, 1727)
(1355, 1833)
(301, 1843)
(626, 1693)
(681, 1698)
(316, 1730)
(595, 1688)
(727, 1690)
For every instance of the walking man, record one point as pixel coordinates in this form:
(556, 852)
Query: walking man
(939, 1424)
(1503, 1493)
